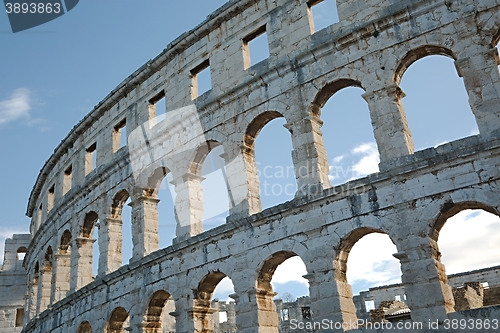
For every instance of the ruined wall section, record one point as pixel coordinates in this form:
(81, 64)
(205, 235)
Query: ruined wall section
(13, 284)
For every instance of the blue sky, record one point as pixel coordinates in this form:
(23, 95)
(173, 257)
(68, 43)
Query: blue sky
(54, 74)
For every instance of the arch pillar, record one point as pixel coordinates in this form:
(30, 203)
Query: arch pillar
(200, 317)
(110, 241)
(331, 299)
(482, 82)
(309, 156)
(81, 263)
(255, 308)
(60, 279)
(145, 237)
(188, 206)
(428, 294)
(390, 126)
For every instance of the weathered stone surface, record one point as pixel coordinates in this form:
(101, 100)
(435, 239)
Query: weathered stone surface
(409, 200)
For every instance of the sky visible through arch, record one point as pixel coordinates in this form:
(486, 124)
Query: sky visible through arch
(53, 75)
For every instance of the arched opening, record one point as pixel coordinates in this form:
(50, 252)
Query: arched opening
(215, 312)
(45, 283)
(84, 328)
(118, 321)
(267, 148)
(119, 231)
(281, 276)
(292, 300)
(436, 102)
(468, 236)
(215, 197)
(225, 316)
(90, 240)
(365, 266)
(347, 131)
(158, 313)
(65, 244)
(161, 188)
(61, 281)
(21, 252)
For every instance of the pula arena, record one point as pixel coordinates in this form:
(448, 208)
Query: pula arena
(410, 199)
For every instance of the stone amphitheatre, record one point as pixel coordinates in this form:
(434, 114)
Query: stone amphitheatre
(170, 289)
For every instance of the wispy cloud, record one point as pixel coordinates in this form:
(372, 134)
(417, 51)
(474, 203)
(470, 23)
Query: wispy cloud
(360, 161)
(15, 107)
(371, 262)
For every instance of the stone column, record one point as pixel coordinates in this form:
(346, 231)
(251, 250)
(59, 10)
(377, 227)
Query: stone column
(309, 156)
(110, 241)
(61, 277)
(44, 286)
(201, 317)
(256, 311)
(331, 299)
(243, 182)
(428, 294)
(188, 206)
(144, 226)
(389, 122)
(81, 263)
(32, 299)
(482, 82)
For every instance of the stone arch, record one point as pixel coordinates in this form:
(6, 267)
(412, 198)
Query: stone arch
(48, 257)
(155, 311)
(459, 294)
(256, 125)
(89, 223)
(84, 327)
(450, 208)
(346, 310)
(21, 252)
(65, 242)
(268, 267)
(202, 311)
(117, 321)
(154, 180)
(325, 93)
(207, 285)
(345, 247)
(416, 54)
(118, 202)
(199, 156)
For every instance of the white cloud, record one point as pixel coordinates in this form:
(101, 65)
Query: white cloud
(364, 160)
(17, 106)
(469, 240)
(291, 270)
(371, 260)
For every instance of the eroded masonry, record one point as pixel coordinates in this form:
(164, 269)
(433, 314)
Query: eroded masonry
(91, 175)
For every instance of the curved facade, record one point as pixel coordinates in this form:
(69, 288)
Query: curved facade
(409, 199)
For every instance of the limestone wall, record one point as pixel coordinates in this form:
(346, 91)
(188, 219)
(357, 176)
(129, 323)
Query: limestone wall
(410, 199)
(13, 284)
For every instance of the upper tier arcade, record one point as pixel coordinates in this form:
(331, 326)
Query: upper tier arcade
(92, 173)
